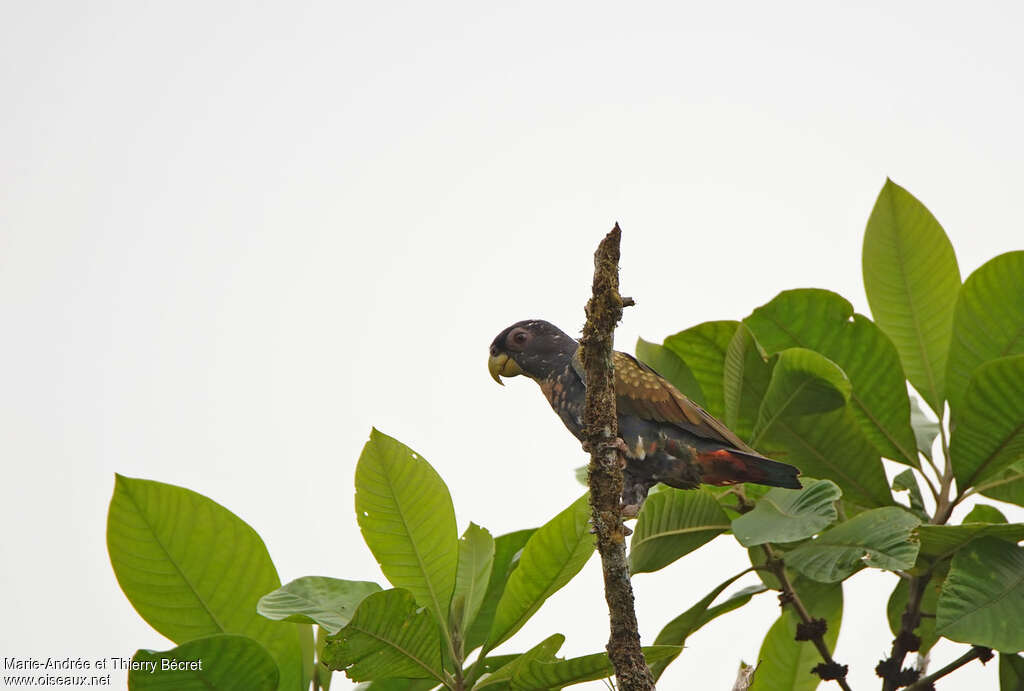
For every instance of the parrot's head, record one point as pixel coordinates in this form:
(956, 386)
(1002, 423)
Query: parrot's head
(532, 347)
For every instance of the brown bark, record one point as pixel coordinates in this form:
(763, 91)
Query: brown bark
(604, 310)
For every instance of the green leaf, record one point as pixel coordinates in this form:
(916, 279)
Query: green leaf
(825, 322)
(831, 446)
(983, 513)
(785, 664)
(672, 523)
(982, 600)
(989, 434)
(389, 636)
(988, 322)
(555, 674)
(405, 513)
(907, 481)
(222, 662)
(328, 602)
(545, 650)
(191, 569)
(746, 376)
(803, 382)
(911, 279)
(788, 515)
(880, 538)
(322, 676)
(552, 556)
(702, 348)
(898, 603)
(925, 429)
(941, 541)
(679, 629)
(1007, 485)
(396, 684)
(1011, 672)
(671, 367)
(476, 558)
(507, 549)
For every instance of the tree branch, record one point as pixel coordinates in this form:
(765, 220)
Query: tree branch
(811, 629)
(977, 652)
(891, 669)
(604, 310)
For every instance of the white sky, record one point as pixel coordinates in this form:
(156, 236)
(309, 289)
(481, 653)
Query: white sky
(233, 236)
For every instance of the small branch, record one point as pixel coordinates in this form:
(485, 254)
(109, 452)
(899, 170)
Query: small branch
(976, 653)
(809, 629)
(604, 310)
(891, 669)
(944, 506)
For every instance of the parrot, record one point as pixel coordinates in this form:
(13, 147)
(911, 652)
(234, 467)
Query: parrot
(665, 437)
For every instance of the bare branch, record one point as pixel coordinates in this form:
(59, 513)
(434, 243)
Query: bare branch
(604, 310)
(809, 628)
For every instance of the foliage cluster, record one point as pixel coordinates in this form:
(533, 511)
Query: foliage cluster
(803, 378)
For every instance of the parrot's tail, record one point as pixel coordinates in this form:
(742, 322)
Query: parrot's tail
(730, 466)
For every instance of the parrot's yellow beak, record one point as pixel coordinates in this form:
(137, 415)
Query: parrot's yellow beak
(502, 365)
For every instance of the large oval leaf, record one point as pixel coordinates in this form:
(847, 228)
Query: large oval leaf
(671, 367)
(880, 538)
(556, 674)
(679, 629)
(405, 513)
(825, 322)
(746, 377)
(802, 382)
(982, 600)
(1011, 672)
(988, 322)
(989, 433)
(831, 446)
(788, 515)
(912, 279)
(785, 664)
(703, 348)
(224, 662)
(389, 636)
(1006, 486)
(674, 522)
(328, 602)
(191, 568)
(503, 676)
(476, 558)
(507, 549)
(552, 556)
(942, 541)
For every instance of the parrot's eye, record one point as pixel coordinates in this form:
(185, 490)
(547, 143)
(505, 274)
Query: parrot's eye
(518, 338)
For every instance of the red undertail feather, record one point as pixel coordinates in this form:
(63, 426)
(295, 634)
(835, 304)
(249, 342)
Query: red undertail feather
(728, 467)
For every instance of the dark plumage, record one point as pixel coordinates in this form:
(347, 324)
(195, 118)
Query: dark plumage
(668, 437)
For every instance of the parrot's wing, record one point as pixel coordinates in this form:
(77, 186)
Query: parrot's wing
(642, 392)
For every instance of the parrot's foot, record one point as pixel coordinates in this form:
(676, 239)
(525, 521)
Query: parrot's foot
(626, 530)
(630, 511)
(620, 445)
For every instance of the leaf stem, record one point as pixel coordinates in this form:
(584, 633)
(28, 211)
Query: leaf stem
(975, 653)
(833, 670)
(944, 506)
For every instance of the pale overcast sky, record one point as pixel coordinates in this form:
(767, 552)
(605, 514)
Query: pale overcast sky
(233, 236)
